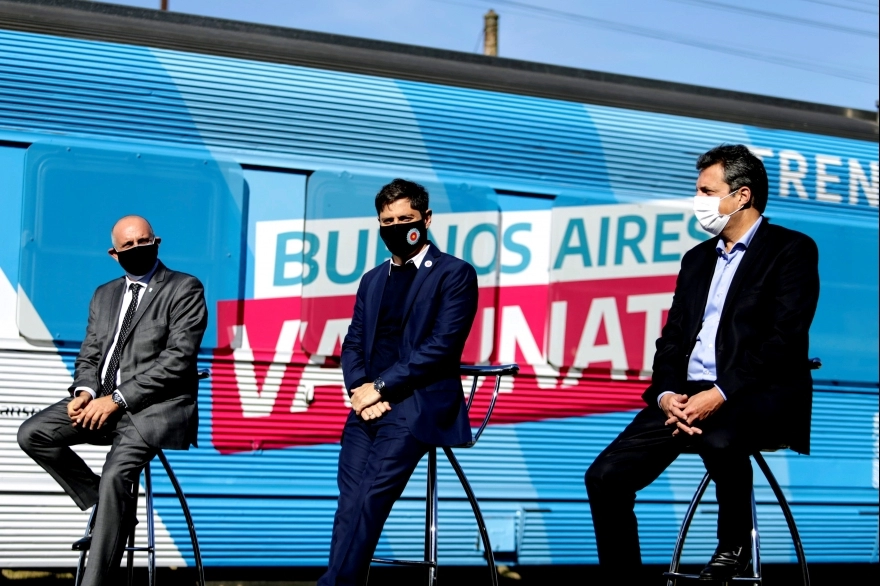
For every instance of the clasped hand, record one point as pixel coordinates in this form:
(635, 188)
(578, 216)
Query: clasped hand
(683, 411)
(367, 402)
(89, 413)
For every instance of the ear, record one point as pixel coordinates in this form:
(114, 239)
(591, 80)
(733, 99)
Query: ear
(157, 240)
(745, 194)
(428, 214)
(112, 252)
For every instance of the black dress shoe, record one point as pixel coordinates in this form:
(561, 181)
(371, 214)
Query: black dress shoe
(82, 544)
(726, 563)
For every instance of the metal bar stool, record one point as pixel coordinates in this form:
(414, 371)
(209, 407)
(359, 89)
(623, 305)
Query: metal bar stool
(673, 575)
(430, 560)
(150, 548)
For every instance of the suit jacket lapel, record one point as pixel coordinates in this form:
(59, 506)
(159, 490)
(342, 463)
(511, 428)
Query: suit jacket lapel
(705, 272)
(150, 292)
(752, 254)
(422, 274)
(371, 307)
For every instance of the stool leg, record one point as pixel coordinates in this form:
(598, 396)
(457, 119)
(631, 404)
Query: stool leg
(756, 542)
(789, 518)
(81, 564)
(431, 518)
(685, 525)
(136, 488)
(151, 529)
(481, 524)
(197, 554)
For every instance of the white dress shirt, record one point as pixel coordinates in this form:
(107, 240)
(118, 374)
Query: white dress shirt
(126, 300)
(416, 260)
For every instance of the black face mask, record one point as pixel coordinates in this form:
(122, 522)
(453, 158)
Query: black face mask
(403, 239)
(139, 260)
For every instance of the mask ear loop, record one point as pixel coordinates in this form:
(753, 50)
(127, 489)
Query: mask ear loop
(741, 208)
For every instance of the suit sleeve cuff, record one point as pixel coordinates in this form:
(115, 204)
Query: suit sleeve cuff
(357, 383)
(77, 390)
(723, 396)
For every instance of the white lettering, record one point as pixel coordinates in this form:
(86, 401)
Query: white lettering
(556, 335)
(257, 401)
(487, 335)
(823, 178)
(315, 375)
(789, 177)
(515, 331)
(602, 310)
(857, 179)
(653, 307)
(333, 334)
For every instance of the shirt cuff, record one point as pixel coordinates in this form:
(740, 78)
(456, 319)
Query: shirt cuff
(723, 396)
(660, 396)
(86, 389)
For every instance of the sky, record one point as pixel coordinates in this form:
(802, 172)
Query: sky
(823, 51)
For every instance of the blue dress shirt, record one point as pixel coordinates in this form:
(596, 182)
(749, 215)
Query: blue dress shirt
(702, 365)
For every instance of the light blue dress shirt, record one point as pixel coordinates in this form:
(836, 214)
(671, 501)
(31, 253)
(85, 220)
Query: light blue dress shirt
(703, 362)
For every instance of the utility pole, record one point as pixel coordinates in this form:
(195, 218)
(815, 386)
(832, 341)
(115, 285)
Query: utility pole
(490, 33)
(164, 5)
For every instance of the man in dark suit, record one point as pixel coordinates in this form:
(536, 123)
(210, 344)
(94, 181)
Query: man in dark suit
(400, 361)
(135, 389)
(731, 372)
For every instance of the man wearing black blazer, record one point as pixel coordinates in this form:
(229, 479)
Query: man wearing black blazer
(731, 372)
(400, 360)
(135, 389)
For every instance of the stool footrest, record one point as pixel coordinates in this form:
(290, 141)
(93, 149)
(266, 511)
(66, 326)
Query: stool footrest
(139, 548)
(683, 576)
(422, 563)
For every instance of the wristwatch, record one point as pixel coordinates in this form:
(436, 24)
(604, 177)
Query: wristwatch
(117, 398)
(379, 385)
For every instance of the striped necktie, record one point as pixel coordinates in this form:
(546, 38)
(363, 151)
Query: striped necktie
(109, 383)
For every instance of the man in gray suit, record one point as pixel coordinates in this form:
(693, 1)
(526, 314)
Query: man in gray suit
(135, 389)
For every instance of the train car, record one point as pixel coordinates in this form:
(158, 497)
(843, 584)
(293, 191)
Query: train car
(256, 152)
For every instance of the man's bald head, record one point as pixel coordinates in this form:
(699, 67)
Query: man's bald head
(131, 231)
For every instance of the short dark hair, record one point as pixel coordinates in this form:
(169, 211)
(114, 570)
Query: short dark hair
(403, 189)
(741, 169)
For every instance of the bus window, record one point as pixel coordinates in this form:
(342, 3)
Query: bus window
(275, 241)
(74, 195)
(12, 164)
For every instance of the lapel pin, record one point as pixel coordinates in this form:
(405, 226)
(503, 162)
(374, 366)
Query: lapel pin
(151, 290)
(428, 263)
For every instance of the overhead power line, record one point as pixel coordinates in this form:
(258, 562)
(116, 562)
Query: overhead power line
(630, 29)
(790, 19)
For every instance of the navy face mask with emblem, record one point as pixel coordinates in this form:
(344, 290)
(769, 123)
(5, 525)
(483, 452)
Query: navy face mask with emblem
(403, 239)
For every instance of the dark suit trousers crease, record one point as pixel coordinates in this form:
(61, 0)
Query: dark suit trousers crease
(375, 462)
(639, 455)
(47, 436)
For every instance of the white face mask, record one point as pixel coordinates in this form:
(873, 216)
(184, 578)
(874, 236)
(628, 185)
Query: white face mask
(706, 210)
